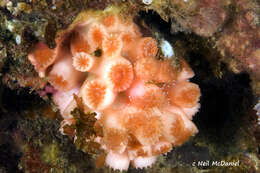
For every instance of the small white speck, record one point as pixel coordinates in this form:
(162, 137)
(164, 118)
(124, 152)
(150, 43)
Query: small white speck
(10, 26)
(252, 66)
(257, 108)
(167, 49)
(37, 33)
(9, 6)
(185, 0)
(147, 2)
(18, 39)
(98, 115)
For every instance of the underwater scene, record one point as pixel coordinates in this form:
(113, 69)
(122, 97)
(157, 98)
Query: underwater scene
(136, 86)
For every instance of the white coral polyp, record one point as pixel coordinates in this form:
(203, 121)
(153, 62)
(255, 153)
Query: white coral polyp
(117, 161)
(143, 162)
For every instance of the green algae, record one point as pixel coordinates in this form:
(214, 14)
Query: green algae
(85, 131)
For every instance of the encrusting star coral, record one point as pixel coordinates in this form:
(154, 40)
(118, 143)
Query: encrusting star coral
(142, 103)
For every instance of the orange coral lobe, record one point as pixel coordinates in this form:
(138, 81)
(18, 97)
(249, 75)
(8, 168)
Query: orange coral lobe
(186, 72)
(58, 81)
(97, 95)
(43, 54)
(161, 147)
(109, 21)
(141, 152)
(177, 129)
(120, 74)
(135, 148)
(41, 57)
(133, 143)
(146, 129)
(83, 62)
(96, 35)
(148, 47)
(127, 38)
(144, 47)
(180, 132)
(184, 94)
(146, 68)
(63, 76)
(112, 45)
(165, 72)
(115, 139)
(78, 44)
(146, 96)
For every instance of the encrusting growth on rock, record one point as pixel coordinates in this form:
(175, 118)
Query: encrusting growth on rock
(143, 105)
(41, 57)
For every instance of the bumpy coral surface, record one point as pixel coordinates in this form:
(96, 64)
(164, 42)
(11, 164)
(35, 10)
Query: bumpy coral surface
(143, 105)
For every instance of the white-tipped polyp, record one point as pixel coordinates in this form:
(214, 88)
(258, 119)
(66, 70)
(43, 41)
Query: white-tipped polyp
(119, 74)
(63, 99)
(97, 95)
(190, 112)
(117, 161)
(83, 62)
(186, 72)
(143, 162)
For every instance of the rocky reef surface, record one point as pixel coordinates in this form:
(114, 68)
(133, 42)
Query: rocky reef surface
(219, 39)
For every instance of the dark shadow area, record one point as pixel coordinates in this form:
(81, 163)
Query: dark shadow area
(13, 104)
(20, 100)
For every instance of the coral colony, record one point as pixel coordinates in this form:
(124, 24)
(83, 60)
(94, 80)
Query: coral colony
(143, 104)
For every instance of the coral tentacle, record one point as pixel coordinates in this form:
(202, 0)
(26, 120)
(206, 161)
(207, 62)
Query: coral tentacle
(184, 94)
(112, 45)
(119, 74)
(83, 62)
(97, 95)
(144, 47)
